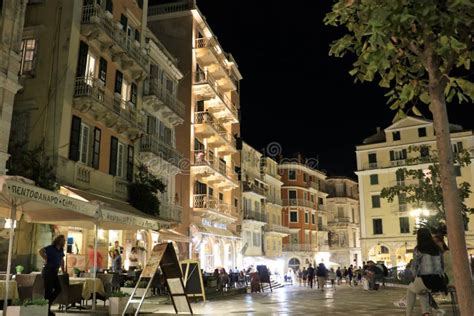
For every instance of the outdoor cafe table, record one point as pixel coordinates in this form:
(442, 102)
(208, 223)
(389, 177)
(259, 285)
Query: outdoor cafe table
(88, 286)
(12, 290)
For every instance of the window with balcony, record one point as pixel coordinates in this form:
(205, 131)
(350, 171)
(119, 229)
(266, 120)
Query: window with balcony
(313, 218)
(91, 63)
(396, 136)
(96, 148)
(320, 201)
(306, 217)
(377, 226)
(292, 194)
(374, 179)
(375, 201)
(404, 225)
(118, 82)
(291, 174)
(422, 132)
(424, 152)
(28, 56)
(372, 160)
(103, 70)
(200, 188)
(293, 216)
(398, 155)
(84, 144)
(117, 158)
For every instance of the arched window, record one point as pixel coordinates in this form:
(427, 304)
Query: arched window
(294, 264)
(384, 249)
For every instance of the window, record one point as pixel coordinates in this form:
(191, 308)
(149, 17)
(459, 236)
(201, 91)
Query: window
(305, 177)
(457, 171)
(398, 155)
(28, 56)
(120, 160)
(294, 216)
(396, 136)
(130, 162)
(375, 201)
(372, 158)
(236, 202)
(377, 226)
(422, 132)
(102, 69)
(90, 67)
(75, 138)
(169, 86)
(306, 217)
(374, 179)
(125, 90)
(96, 148)
(84, 143)
(424, 151)
(313, 218)
(256, 239)
(292, 194)
(404, 225)
(291, 174)
(457, 147)
(340, 212)
(124, 22)
(109, 6)
(320, 201)
(118, 82)
(133, 94)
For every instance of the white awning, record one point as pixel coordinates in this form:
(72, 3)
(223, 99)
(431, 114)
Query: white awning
(170, 234)
(214, 231)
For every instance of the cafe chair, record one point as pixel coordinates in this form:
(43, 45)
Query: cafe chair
(107, 282)
(30, 286)
(70, 294)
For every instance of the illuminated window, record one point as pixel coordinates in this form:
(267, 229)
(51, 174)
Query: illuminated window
(28, 56)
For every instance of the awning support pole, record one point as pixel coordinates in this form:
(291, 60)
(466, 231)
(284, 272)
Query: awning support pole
(10, 254)
(94, 294)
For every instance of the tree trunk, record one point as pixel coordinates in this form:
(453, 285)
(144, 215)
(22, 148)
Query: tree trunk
(451, 198)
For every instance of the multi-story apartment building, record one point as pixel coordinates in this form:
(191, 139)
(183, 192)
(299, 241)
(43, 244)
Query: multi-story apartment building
(12, 50)
(210, 190)
(84, 70)
(343, 221)
(305, 213)
(387, 228)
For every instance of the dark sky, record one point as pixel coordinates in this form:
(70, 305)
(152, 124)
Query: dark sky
(293, 93)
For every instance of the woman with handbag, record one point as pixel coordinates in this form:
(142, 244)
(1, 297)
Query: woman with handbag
(428, 271)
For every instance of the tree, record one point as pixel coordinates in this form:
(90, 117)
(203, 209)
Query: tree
(421, 188)
(419, 50)
(143, 191)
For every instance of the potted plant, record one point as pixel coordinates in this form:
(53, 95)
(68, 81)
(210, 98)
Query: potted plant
(130, 285)
(19, 269)
(117, 302)
(77, 272)
(36, 307)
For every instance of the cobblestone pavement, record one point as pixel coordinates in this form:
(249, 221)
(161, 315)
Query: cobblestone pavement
(296, 300)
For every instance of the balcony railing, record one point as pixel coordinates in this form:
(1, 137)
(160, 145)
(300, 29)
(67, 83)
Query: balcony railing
(400, 209)
(299, 247)
(170, 212)
(204, 158)
(203, 77)
(155, 88)
(252, 187)
(273, 199)
(153, 144)
(170, 8)
(95, 14)
(313, 184)
(299, 202)
(254, 215)
(340, 220)
(397, 163)
(203, 201)
(322, 228)
(207, 118)
(277, 229)
(88, 87)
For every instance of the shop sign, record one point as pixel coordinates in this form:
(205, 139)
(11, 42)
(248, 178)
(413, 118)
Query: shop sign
(130, 220)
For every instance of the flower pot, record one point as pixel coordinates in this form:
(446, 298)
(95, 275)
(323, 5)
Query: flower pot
(30, 310)
(117, 305)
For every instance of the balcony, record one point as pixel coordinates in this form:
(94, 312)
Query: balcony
(91, 97)
(252, 187)
(299, 247)
(276, 229)
(313, 185)
(209, 54)
(397, 163)
(273, 199)
(322, 228)
(209, 168)
(207, 126)
(213, 210)
(159, 102)
(340, 221)
(98, 25)
(170, 8)
(299, 203)
(170, 212)
(255, 216)
(153, 151)
(399, 209)
(206, 87)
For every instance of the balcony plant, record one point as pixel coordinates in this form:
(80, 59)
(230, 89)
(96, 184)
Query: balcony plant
(143, 191)
(117, 302)
(19, 269)
(36, 307)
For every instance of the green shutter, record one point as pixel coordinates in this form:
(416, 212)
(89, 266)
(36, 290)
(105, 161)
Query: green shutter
(96, 148)
(130, 163)
(75, 138)
(113, 155)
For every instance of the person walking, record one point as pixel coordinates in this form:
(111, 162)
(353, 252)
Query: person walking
(428, 271)
(332, 277)
(90, 257)
(350, 274)
(304, 275)
(310, 275)
(338, 275)
(53, 256)
(322, 274)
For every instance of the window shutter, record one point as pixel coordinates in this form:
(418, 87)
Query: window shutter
(75, 138)
(133, 93)
(118, 82)
(113, 155)
(404, 152)
(392, 155)
(130, 163)
(137, 35)
(124, 22)
(103, 69)
(109, 6)
(96, 148)
(82, 59)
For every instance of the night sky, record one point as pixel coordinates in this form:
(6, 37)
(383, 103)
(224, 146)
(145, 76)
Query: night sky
(293, 93)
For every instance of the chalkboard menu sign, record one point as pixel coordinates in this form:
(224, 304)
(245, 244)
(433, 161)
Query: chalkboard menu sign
(193, 278)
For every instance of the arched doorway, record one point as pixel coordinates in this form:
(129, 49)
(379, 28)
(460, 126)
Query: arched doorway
(404, 255)
(379, 253)
(294, 264)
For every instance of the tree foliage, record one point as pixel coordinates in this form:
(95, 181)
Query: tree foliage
(421, 188)
(398, 41)
(32, 164)
(143, 191)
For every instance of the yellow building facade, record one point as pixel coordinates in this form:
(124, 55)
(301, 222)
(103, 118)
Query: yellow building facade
(387, 228)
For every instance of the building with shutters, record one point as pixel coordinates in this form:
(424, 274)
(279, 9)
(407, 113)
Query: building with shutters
(343, 221)
(387, 228)
(210, 188)
(12, 50)
(101, 96)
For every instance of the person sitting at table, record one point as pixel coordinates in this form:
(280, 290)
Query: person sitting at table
(117, 262)
(134, 259)
(90, 257)
(53, 256)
